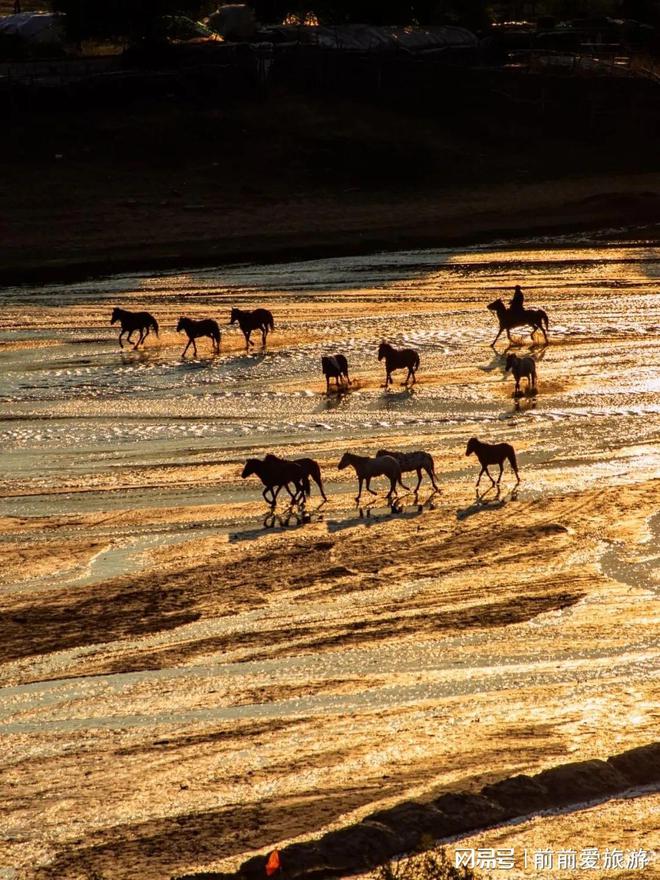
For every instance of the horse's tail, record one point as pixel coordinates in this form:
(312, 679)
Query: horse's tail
(154, 324)
(511, 455)
(270, 321)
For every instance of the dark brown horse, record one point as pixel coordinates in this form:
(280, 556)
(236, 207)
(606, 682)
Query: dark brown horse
(195, 329)
(259, 319)
(276, 473)
(521, 367)
(366, 468)
(334, 366)
(310, 467)
(414, 461)
(493, 453)
(398, 359)
(132, 321)
(537, 319)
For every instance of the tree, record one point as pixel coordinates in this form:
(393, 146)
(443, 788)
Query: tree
(109, 19)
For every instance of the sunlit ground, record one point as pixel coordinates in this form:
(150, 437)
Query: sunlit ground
(190, 678)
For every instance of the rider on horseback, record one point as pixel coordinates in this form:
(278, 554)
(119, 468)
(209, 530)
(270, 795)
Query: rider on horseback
(517, 302)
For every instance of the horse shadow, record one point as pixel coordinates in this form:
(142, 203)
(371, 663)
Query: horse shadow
(335, 398)
(489, 499)
(398, 398)
(524, 402)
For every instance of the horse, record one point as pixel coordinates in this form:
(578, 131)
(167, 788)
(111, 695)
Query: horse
(398, 359)
(276, 473)
(259, 319)
(521, 366)
(132, 321)
(493, 453)
(195, 329)
(414, 461)
(310, 467)
(334, 366)
(366, 468)
(537, 319)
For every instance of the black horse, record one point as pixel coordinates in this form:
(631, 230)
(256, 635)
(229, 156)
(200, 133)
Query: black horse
(276, 473)
(334, 366)
(492, 453)
(259, 319)
(414, 461)
(537, 319)
(132, 321)
(195, 329)
(398, 359)
(310, 467)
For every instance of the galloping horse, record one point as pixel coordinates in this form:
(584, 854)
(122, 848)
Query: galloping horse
(334, 366)
(309, 467)
(398, 359)
(195, 329)
(276, 473)
(493, 453)
(521, 367)
(537, 319)
(132, 321)
(366, 468)
(414, 461)
(259, 319)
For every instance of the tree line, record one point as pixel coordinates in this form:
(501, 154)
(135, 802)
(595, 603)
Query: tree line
(138, 19)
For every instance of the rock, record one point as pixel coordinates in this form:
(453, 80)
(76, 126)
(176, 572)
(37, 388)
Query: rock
(359, 846)
(581, 781)
(517, 795)
(465, 812)
(303, 860)
(640, 766)
(412, 821)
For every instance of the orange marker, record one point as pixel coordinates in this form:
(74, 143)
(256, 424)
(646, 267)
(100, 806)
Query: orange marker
(273, 864)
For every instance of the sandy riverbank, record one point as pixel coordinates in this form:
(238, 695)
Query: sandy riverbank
(186, 680)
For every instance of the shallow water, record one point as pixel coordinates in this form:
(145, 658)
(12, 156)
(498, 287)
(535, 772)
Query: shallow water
(77, 411)
(134, 458)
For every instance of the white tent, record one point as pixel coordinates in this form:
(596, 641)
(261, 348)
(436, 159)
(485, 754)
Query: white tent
(43, 28)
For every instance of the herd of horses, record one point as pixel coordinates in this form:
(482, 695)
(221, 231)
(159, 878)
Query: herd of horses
(294, 475)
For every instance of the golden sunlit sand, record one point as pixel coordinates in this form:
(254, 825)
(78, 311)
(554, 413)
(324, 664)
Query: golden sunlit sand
(189, 679)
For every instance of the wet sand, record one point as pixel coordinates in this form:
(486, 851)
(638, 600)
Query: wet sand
(188, 679)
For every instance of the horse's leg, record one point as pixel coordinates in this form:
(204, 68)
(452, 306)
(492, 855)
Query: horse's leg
(137, 344)
(319, 483)
(392, 491)
(419, 480)
(247, 339)
(414, 375)
(499, 333)
(369, 489)
(359, 494)
(194, 346)
(121, 344)
(265, 492)
(481, 473)
(488, 474)
(431, 474)
(501, 471)
(388, 379)
(264, 334)
(183, 353)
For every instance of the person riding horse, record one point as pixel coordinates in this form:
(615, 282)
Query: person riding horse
(517, 301)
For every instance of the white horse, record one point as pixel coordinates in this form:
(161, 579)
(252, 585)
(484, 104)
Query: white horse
(521, 367)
